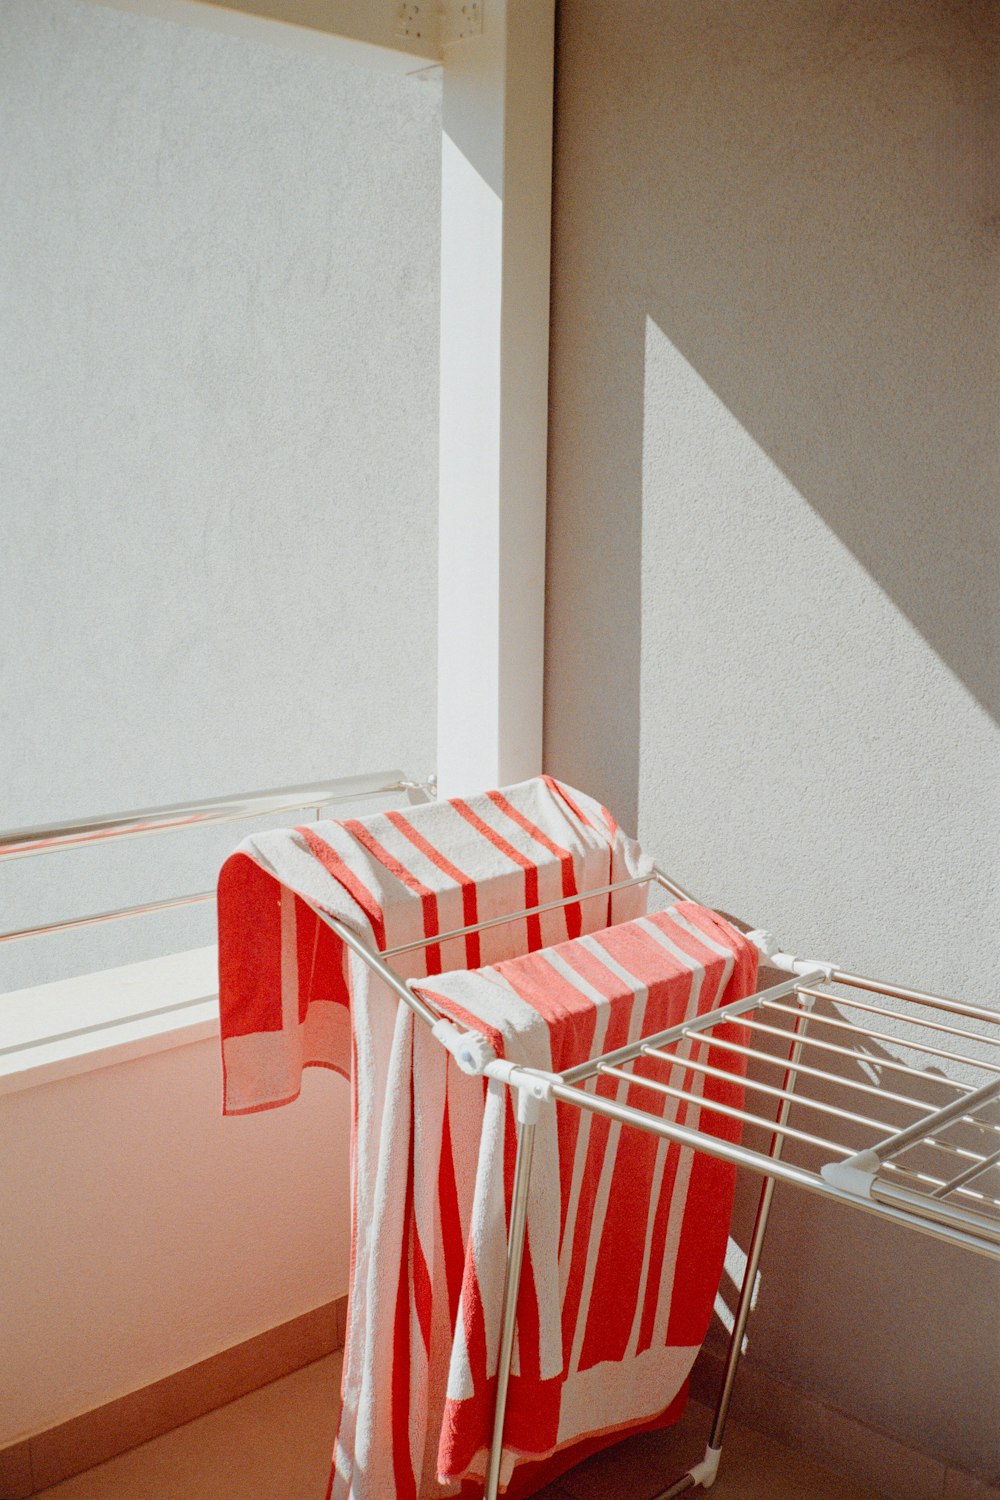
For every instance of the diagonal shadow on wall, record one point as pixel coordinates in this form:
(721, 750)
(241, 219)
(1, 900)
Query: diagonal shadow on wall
(822, 187)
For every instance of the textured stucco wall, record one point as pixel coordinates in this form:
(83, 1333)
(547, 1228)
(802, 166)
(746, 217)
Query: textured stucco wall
(139, 1237)
(774, 553)
(218, 438)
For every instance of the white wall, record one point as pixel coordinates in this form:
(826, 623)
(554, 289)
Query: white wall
(774, 591)
(218, 440)
(143, 1232)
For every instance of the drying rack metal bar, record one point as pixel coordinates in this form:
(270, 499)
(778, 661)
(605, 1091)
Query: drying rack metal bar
(738, 1010)
(893, 1195)
(376, 962)
(96, 918)
(749, 1116)
(961, 1179)
(713, 1106)
(762, 1164)
(851, 1003)
(519, 916)
(850, 1052)
(862, 1172)
(376, 957)
(915, 997)
(770, 1089)
(928, 1127)
(706, 1471)
(808, 1071)
(926, 1184)
(655, 876)
(886, 1036)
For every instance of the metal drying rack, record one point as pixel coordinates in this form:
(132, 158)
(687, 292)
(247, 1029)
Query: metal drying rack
(923, 1150)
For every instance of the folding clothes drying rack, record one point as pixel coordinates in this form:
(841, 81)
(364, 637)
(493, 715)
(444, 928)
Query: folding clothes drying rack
(924, 1152)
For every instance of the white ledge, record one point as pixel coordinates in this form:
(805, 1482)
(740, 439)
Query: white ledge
(73, 1026)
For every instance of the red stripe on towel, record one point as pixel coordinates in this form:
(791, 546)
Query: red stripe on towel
(451, 1222)
(610, 827)
(565, 858)
(470, 910)
(249, 947)
(335, 866)
(428, 898)
(402, 1463)
(530, 870)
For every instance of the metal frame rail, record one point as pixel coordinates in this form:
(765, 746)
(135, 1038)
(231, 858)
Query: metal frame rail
(934, 1165)
(55, 838)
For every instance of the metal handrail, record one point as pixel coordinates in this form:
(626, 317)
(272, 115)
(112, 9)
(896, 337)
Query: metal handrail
(50, 838)
(47, 838)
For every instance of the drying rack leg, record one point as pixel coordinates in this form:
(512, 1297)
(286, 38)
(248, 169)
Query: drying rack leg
(704, 1473)
(511, 1286)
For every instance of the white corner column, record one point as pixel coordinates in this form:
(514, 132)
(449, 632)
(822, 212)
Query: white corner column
(496, 175)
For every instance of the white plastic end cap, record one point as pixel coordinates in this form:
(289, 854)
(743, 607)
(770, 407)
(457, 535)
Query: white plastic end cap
(855, 1175)
(471, 1051)
(765, 942)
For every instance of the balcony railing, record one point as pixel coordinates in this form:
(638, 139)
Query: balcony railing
(51, 838)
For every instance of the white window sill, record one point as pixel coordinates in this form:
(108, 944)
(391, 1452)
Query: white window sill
(74, 1026)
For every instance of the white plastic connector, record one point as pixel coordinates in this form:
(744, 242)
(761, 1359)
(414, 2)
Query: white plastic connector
(767, 945)
(532, 1091)
(705, 1472)
(855, 1175)
(765, 942)
(471, 1051)
(809, 968)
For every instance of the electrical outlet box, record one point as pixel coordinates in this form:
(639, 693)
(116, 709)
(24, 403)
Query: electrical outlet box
(441, 21)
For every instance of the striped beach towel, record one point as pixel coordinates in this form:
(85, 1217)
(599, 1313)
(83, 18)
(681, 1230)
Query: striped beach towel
(626, 1233)
(432, 1150)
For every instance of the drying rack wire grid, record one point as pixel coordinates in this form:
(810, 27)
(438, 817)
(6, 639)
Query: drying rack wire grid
(895, 1093)
(907, 1101)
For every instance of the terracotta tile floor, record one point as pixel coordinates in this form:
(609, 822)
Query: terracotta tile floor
(275, 1445)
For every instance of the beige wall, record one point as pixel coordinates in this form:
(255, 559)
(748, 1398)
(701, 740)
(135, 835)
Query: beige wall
(774, 575)
(142, 1232)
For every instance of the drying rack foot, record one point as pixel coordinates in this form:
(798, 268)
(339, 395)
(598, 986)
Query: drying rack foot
(702, 1474)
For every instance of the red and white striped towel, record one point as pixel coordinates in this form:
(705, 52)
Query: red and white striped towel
(427, 1180)
(626, 1233)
